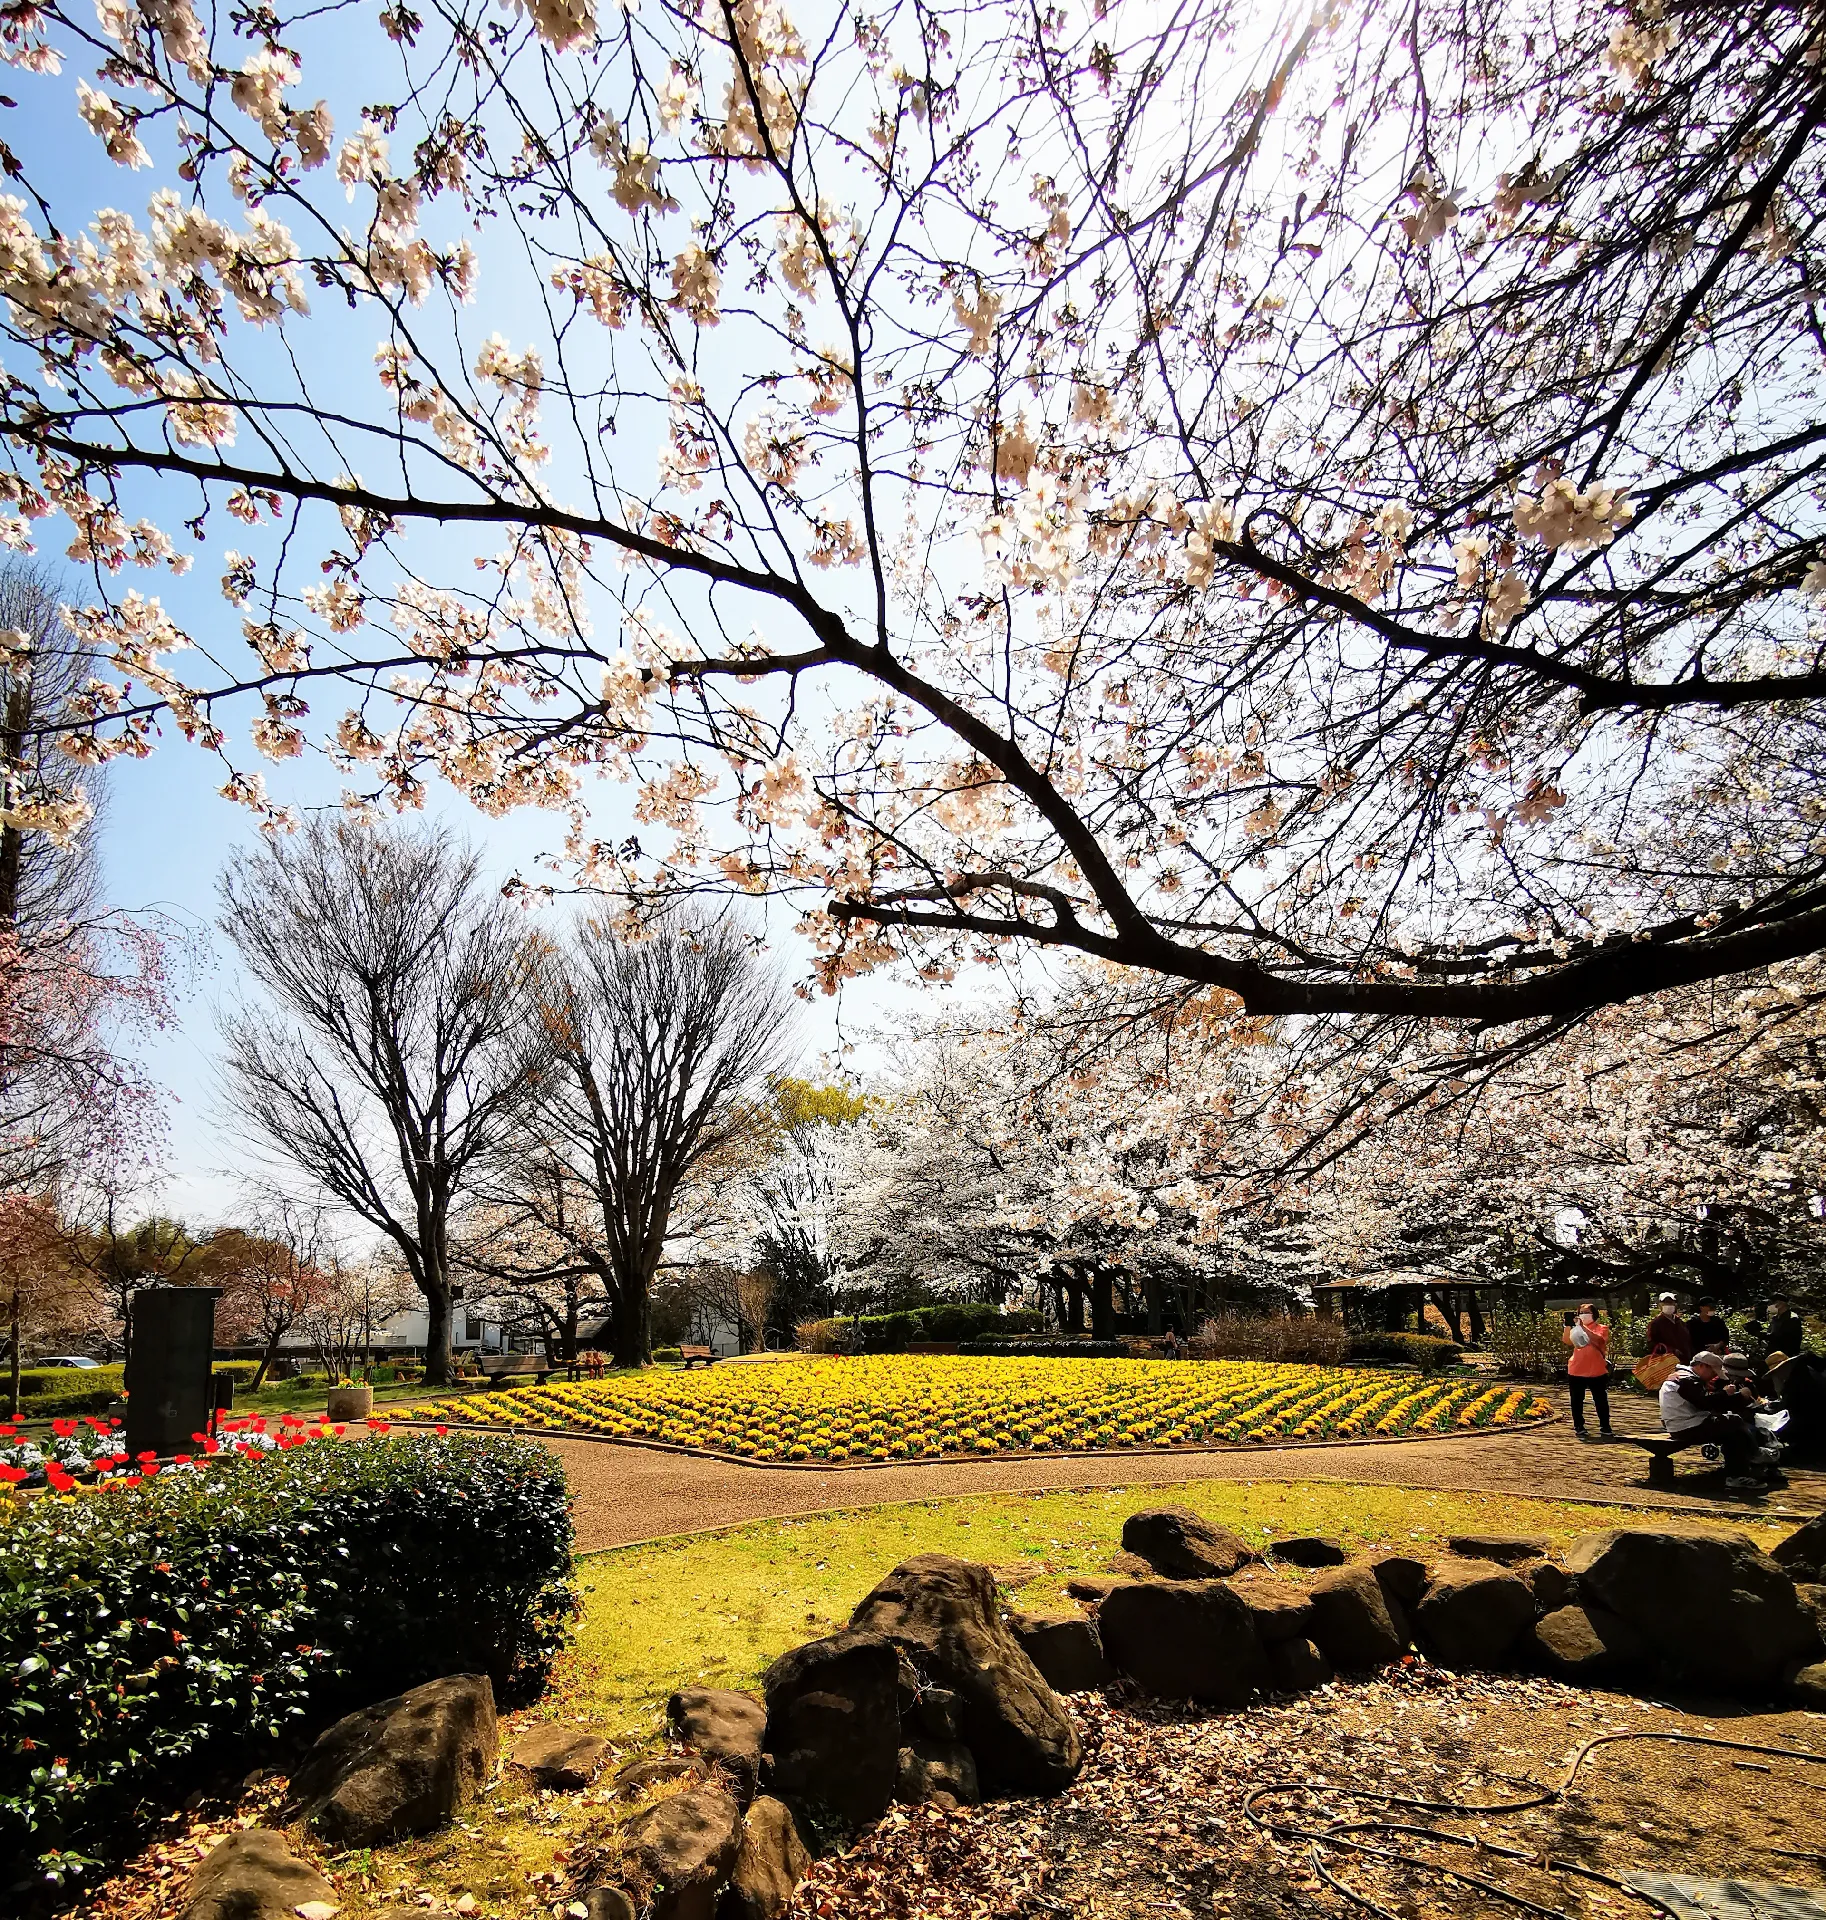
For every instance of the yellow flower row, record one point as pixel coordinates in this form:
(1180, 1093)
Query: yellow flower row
(899, 1407)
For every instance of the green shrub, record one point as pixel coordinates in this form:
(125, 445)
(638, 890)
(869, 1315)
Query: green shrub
(895, 1332)
(60, 1392)
(667, 1356)
(1066, 1349)
(1423, 1350)
(151, 1635)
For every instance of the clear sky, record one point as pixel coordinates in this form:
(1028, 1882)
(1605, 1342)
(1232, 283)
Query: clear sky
(166, 836)
(167, 832)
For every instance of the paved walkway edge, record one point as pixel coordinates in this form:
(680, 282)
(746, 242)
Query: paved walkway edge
(987, 1459)
(1103, 1486)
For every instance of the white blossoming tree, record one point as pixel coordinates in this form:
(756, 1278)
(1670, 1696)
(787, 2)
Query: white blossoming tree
(1325, 509)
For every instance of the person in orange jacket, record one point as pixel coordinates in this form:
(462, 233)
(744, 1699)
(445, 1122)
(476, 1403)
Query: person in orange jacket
(1588, 1368)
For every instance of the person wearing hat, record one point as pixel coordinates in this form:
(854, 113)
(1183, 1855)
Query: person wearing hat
(1696, 1406)
(1668, 1330)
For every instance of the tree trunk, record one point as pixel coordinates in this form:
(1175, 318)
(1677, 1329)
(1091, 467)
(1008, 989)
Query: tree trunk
(1103, 1305)
(437, 1333)
(630, 1329)
(1074, 1296)
(266, 1360)
(1156, 1315)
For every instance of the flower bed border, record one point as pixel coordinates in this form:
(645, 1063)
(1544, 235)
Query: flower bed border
(983, 1459)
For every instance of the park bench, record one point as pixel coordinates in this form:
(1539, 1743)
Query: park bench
(696, 1356)
(1661, 1449)
(503, 1366)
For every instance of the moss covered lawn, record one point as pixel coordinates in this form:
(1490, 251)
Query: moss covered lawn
(716, 1608)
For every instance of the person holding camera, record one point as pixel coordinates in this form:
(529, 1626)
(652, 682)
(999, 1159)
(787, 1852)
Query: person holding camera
(1588, 1367)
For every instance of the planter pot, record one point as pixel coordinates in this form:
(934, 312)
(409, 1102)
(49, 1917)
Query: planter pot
(351, 1403)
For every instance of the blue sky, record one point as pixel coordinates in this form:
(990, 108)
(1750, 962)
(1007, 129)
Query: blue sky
(168, 833)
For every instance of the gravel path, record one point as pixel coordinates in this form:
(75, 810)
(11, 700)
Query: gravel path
(623, 1494)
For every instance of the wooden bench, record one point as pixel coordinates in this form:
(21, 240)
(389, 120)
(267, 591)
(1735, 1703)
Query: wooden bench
(504, 1366)
(1661, 1449)
(696, 1356)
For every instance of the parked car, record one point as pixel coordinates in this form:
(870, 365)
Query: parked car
(64, 1360)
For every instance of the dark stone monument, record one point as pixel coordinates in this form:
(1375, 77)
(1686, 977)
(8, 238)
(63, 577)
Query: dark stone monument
(169, 1393)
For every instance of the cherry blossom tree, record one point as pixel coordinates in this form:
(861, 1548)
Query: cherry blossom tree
(1324, 508)
(41, 1290)
(788, 1199)
(273, 1273)
(77, 978)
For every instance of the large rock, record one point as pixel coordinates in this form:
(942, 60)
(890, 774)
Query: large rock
(1506, 1549)
(1065, 1648)
(1812, 1596)
(1587, 1644)
(1297, 1666)
(1808, 1686)
(941, 1770)
(681, 1853)
(1352, 1620)
(1185, 1640)
(401, 1766)
(943, 1613)
(1281, 1609)
(833, 1730)
(1401, 1576)
(565, 1759)
(600, 1903)
(1473, 1613)
(1184, 1545)
(772, 1861)
(1802, 1556)
(1706, 1602)
(254, 1875)
(1093, 1588)
(1308, 1550)
(726, 1728)
(1551, 1585)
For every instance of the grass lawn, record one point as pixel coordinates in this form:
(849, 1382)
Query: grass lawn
(717, 1608)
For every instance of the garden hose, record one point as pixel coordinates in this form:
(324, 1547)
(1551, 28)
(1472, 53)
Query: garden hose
(1338, 1834)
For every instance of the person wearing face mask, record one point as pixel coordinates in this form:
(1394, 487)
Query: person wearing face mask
(1588, 1368)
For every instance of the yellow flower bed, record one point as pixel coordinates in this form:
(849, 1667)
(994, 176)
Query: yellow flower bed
(912, 1406)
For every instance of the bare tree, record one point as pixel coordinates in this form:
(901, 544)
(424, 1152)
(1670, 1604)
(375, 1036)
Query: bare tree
(405, 1043)
(666, 1046)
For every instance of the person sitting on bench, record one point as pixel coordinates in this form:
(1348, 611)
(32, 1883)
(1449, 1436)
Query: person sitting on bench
(1696, 1408)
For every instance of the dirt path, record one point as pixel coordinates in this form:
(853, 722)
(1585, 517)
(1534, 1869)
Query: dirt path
(624, 1494)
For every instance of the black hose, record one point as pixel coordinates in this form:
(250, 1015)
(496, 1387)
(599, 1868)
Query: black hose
(1336, 1834)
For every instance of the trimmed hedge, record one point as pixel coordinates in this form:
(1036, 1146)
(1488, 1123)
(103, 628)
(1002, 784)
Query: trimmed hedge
(153, 1634)
(57, 1392)
(1049, 1349)
(1426, 1351)
(664, 1356)
(895, 1332)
